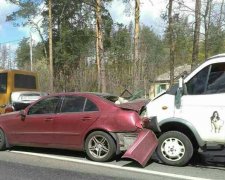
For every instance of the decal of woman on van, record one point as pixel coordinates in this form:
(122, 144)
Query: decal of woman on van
(216, 122)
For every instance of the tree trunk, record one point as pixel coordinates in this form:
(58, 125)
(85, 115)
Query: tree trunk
(136, 68)
(196, 33)
(50, 48)
(100, 45)
(220, 14)
(207, 16)
(207, 20)
(171, 42)
(98, 60)
(42, 38)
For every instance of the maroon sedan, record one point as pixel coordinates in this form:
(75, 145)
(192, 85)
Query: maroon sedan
(79, 121)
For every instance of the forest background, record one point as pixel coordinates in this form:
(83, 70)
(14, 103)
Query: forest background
(91, 52)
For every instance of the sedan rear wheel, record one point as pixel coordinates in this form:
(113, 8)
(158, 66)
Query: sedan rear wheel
(2, 140)
(100, 146)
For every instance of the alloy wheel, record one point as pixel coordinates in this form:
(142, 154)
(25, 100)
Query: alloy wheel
(98, 146)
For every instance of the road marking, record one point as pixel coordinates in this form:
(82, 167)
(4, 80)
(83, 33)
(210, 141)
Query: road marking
(158, 173)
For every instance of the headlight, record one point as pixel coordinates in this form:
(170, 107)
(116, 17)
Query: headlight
(151, 123)
(143, 112)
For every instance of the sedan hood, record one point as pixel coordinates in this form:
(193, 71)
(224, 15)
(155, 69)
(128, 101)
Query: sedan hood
(143, 147)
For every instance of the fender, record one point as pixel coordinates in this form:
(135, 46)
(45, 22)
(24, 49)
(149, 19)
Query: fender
(186, 123)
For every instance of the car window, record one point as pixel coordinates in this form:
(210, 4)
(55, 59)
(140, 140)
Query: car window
(197, 84)
(45, 106)
(90, 106)
(216, 82)
(73, 104)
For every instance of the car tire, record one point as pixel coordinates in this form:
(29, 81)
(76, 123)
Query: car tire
(174, 148)
(100, 146)
(2, 140)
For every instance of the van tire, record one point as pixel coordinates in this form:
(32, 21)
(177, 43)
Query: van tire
(174, 148)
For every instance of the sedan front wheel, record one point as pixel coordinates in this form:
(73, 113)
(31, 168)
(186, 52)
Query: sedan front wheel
(100, 146)
(2, 140)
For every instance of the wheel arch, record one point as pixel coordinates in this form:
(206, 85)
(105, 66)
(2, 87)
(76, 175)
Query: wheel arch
(184, 126)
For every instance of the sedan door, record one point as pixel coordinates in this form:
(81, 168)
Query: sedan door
(37, 127)
(77, 114)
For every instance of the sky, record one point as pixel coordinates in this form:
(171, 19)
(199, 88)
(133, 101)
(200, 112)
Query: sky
(150, 16)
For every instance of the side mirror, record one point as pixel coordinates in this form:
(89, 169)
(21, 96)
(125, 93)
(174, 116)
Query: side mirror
(178, 98)
(179, 93)
(22, 115)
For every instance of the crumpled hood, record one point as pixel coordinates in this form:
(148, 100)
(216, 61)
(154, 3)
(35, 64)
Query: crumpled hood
(135, 105)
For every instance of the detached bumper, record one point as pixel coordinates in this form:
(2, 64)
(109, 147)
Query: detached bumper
(143, 147)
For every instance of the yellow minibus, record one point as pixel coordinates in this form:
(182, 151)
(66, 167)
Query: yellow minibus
(14, 81)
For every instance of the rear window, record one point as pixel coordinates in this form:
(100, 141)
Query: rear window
(25, 81)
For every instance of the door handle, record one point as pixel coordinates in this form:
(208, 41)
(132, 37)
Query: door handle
(48, 119)
(86, 118)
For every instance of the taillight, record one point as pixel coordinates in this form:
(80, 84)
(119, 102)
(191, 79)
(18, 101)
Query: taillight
(9, 109)
(138, 122)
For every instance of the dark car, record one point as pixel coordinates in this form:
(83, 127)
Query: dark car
(79, 121)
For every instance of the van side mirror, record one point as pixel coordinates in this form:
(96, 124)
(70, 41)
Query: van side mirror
(181, 82)
(179, 93)
(22, 115)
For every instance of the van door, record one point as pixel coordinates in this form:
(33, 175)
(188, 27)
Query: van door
(203, 105)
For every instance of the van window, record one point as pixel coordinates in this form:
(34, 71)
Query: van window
(216, 82)
(197, 84)
(24, 81)
(3, 82)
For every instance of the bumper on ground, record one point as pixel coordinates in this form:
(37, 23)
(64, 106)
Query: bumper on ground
(140, 146)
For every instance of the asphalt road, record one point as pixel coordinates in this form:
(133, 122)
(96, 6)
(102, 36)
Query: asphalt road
(35, 164)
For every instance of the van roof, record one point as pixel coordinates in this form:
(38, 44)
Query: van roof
(217, 56)
(17, 71)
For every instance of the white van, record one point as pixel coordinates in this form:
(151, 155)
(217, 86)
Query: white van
(191, 115)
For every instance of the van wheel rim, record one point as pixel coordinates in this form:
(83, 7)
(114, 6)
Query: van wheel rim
(173, 149)
(98, 146)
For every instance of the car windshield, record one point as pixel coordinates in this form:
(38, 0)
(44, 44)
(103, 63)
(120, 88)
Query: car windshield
(108, 97)
(111, 98)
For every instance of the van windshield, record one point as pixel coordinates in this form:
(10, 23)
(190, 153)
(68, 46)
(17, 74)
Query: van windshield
(173, 89)
(24, 81)
(3, 82)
